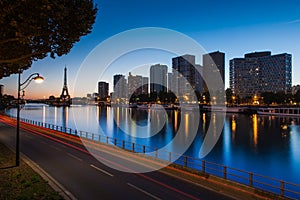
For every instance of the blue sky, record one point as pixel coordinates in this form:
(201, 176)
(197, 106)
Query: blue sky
(233, 27)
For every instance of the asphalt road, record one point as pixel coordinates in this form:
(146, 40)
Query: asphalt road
(87, 178)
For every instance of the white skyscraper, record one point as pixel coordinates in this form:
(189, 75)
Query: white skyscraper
(158, 78)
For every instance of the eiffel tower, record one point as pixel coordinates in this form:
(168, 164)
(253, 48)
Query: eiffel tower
(65, 97)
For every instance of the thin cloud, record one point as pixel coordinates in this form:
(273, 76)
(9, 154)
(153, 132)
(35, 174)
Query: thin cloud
(294, 21)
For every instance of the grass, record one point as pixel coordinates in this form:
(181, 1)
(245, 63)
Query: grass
(21, 182)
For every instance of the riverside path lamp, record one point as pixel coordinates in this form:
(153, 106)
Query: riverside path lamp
(21, 86)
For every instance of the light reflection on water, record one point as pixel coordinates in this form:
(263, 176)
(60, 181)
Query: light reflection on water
(254, 143)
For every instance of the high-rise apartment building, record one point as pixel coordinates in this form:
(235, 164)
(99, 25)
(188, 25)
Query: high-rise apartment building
(137, 84)
(145, 85)
(213, 66)
(185, 76)
(103, 89)
(120, 86)
(198, 78)
(171, 82)
(158, 78)
(134, 84)
(261, 72)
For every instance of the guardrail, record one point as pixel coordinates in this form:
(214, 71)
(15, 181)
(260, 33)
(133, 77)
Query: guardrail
(276, 186)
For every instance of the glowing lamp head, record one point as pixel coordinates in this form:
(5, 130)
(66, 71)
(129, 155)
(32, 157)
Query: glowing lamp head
(38, 79)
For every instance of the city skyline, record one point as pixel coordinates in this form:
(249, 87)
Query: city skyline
(264, 26)
(250, 76)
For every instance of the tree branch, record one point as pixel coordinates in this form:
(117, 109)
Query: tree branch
(15, 60)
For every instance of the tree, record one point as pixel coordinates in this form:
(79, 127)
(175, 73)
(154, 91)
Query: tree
(6, 101)
(268, 97)
(163, 96)
(280, 97)
(153, 96)
(229, 95)
(206, 97)
(297, 96)
(32, 30)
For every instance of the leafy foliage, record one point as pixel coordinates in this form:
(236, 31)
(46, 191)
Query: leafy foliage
(278, 98)
(32, 30)
(297, 96)
(268, 97)
(229, 95)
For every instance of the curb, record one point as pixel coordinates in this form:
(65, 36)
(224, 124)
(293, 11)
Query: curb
(47, 177)
(50, 180)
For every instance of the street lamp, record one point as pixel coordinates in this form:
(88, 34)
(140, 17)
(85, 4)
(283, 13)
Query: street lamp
(255, 100)
(214, 98)
(21, 86)
(233, 100)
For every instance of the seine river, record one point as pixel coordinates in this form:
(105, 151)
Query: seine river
(266, 145)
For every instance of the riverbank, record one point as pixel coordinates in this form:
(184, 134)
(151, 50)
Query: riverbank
(21, 182)
(224, 187)
(207, 180)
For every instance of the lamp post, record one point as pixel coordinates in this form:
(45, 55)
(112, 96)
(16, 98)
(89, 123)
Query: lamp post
(36, 77)
(233, 100)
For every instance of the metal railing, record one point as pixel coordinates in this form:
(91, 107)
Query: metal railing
(273, 185)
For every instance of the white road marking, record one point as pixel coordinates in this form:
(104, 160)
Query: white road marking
(54, 147)
(101, 170)
(143, 191)
(71, 155)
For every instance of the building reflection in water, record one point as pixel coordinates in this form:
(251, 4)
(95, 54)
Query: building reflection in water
(154, 127)
(103, 120)
(214, 125)
(186, 124)
(206, 118)
(158, 120)
(204, 122)
(271, 118)
(138, 123)
(55, 115)
(132, 119)
(267, 148)
(233, 127)
(175, 120)
(226, 140)
(255, 129)
(295, 144)
(109, 121)
(44, 113)
(65, 116)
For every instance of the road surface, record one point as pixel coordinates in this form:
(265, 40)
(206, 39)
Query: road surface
(86, 178)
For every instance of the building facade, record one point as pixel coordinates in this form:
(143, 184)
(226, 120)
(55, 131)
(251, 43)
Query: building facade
(134, 84)
(171, 82)
(186, 77)
(198, 78)
(158, 78)
(120, 87)
(103, 89)
(213, 66)
(137, 84)
(261, 72)
(145, 85)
